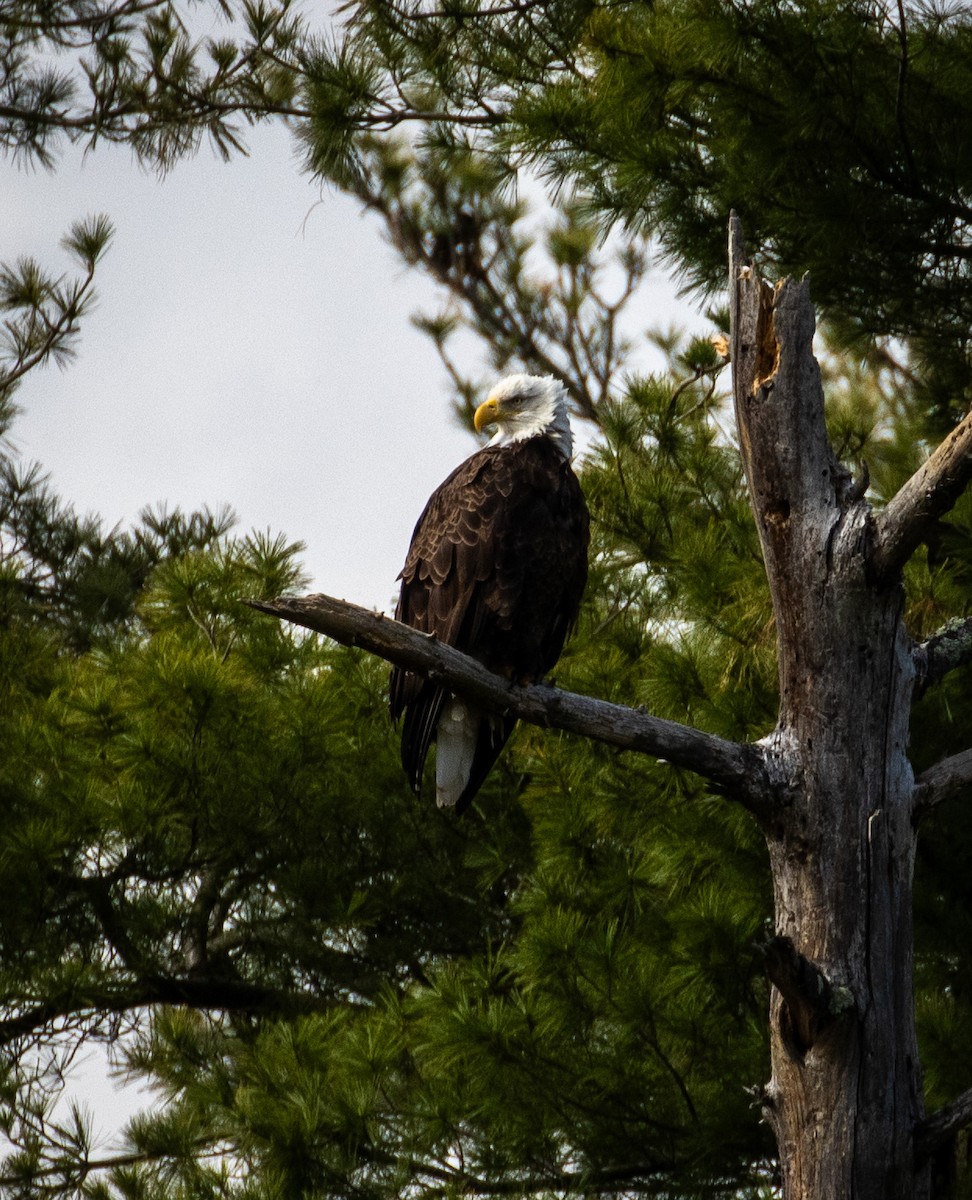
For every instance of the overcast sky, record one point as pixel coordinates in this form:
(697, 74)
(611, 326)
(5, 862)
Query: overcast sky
(251, 346)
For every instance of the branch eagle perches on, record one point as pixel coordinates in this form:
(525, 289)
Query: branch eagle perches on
(739, 770)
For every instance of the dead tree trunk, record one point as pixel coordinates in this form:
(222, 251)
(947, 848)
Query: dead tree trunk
(845, 1096)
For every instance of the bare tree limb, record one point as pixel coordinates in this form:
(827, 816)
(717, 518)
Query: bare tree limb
(942, 781)
(935, 1130)
(737, 769)
(933, 489)
(812, 1002)
(948, 648)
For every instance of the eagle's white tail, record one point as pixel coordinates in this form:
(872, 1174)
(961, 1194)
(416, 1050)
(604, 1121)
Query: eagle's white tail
(455, 747)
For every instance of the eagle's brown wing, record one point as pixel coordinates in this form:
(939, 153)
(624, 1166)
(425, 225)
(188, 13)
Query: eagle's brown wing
(496, 568)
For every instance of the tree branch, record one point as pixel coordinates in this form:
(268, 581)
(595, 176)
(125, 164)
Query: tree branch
(812, 1002)
(948, 648)
(942, 781)
(737, 769)
(934, 1131)
(201, 992)
(28, 1022)
(54, 342)
(933, 489)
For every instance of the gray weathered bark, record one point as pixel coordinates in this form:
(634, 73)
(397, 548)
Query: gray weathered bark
(845, 1096)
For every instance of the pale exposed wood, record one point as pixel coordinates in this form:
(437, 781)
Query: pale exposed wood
(798, 490)
(737, 769)
(933, 489)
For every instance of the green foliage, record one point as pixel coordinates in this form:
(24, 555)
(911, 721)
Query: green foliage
(61, 570)
(540, 294)
(835, 127)
(843, 154)
(42, 312)
(212, 860)
(209, 858)
(139, 73)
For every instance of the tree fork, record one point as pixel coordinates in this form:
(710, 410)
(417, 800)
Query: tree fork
(845, 1096)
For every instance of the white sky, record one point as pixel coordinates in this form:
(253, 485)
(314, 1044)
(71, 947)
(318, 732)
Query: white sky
(251, 346)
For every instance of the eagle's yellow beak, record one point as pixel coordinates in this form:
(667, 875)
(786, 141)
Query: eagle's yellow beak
(487, 414)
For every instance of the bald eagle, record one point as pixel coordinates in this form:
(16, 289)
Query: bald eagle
(496, 568)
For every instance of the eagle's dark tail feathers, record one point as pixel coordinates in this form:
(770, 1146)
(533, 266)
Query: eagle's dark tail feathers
(418, 732)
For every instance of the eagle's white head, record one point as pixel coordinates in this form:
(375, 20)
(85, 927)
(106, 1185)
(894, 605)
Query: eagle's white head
(523, 406)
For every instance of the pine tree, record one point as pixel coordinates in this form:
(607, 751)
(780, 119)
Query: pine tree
(207, 825)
